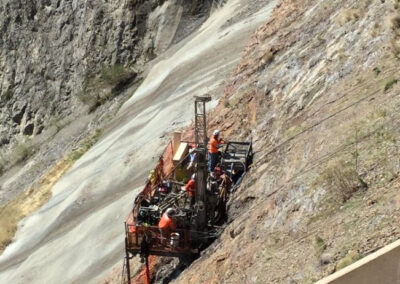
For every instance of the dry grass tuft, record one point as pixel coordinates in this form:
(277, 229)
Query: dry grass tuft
(396, 22)
(20, 153)
(351, 257)
(341, 180)
(28, 202)
(390, 84)
(32, 199)
(348, 16)
(319, 246)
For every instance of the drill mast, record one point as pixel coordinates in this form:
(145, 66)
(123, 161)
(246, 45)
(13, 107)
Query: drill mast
(200, 130)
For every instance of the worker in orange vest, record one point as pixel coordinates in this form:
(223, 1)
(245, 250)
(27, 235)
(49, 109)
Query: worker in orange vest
(213, 154)
(191, 189)
(167, 223)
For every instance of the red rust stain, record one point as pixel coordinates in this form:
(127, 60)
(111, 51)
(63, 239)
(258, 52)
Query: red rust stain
(142, 277)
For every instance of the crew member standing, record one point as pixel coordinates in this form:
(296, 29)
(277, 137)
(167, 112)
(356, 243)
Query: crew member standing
(191, 189)
(213, 154)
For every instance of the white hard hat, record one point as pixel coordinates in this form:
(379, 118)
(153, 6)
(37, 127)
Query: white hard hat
(216, 132)
(170, 211)
(193, 176)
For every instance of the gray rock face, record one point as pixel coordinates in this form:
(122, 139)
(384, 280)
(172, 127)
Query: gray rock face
(49, 47)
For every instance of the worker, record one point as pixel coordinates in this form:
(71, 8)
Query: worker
(192, 156)
(153, 177)
(225, 185)
(218, 172)
(165, 187)
(167, 223)
(191, 189)
(214, 151)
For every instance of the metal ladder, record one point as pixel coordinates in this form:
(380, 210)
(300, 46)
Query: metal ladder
(200, 130)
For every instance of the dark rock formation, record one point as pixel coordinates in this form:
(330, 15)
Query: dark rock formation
(49, 49)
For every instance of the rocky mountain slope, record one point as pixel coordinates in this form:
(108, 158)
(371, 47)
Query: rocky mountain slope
(77, 236)
(52, 52)
(65, 70)
(317, 91)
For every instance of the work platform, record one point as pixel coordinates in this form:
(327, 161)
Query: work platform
(197, 223)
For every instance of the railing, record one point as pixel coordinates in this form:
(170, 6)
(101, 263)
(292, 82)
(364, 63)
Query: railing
(163, 170)
(156, 240)
(124, 275)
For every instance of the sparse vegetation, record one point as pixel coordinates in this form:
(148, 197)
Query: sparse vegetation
(396, 46)
(101, 88)
(382, 113)
(85, 146)
(21, 152)
(377, 71)
(341, 179)
(2, 164)
(319, 245)
(24, 150)
(390, 84)
(33, 198)
(226, 103)
(396, 21)
(7, 96)
(27, 202)
(348, 16)
(351, 257)
(295, 130)
(115, 75)
(56, 123)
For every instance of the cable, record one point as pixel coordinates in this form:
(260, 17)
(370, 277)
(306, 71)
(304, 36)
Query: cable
(293, 242)
(323, 120)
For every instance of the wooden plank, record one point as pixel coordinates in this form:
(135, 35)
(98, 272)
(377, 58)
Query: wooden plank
(181, 153)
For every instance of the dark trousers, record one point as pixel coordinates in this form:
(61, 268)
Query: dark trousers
(212, 161)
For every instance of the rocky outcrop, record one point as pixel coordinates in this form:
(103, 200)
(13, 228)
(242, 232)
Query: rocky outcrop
(50, 49)
(317, 92)
(47, 47)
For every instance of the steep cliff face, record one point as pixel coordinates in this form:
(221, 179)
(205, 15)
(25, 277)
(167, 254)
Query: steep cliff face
(67, 66)
(77, 235)
(47, 47)
(52, 52)
(317, 90)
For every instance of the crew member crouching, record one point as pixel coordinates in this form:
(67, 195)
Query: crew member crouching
(167, 224)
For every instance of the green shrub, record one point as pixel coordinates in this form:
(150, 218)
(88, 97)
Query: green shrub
(319, 245)
(22, 152)
(351, 257)
(100, 88)
(342, 180)
(115, 75)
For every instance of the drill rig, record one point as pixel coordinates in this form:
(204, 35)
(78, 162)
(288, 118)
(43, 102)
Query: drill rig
(196, 223)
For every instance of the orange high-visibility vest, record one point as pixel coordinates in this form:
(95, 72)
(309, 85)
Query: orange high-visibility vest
(166, 223)
(191, 187)
(214, 145)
